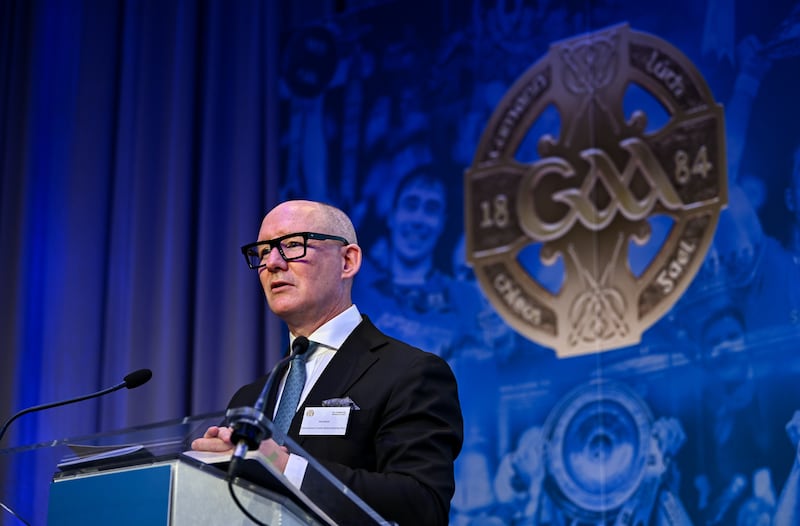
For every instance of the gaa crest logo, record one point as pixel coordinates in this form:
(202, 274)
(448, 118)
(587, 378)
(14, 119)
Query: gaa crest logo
(589, 240)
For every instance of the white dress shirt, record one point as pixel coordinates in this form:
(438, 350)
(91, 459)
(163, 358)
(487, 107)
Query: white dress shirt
(328, 339)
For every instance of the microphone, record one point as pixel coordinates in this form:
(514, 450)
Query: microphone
(131, 381)
(248, 427)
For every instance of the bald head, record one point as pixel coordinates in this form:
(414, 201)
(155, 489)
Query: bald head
(337, 222)
(316, 217)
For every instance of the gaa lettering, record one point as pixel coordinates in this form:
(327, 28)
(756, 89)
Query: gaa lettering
(601, 170)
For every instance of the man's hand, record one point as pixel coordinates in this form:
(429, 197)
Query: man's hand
(215, 439)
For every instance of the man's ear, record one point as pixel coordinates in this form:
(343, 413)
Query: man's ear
(351, 261)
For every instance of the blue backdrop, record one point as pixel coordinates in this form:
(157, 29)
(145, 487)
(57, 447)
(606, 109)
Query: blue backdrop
(142, 142)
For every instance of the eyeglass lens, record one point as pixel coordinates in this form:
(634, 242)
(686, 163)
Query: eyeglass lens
(293, 247)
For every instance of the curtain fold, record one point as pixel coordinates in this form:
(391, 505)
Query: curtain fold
(133, 168)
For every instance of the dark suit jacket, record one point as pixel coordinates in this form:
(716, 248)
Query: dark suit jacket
(399, 448)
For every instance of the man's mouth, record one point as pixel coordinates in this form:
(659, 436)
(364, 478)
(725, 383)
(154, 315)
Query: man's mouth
(278, 285)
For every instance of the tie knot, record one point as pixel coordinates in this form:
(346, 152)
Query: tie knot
(304, 353)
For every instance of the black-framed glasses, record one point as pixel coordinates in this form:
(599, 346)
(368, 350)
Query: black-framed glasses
(291, 247)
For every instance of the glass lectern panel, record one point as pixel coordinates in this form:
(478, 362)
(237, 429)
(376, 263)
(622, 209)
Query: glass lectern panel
(77, 465)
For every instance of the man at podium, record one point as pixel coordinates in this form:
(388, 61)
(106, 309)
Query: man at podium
(403, 430)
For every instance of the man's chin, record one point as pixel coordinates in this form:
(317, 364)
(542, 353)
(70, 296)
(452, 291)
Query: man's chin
(281, 306)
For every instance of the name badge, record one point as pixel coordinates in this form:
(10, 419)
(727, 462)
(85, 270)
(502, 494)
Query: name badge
(325, 421)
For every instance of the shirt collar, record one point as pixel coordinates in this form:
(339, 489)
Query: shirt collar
(333, 333)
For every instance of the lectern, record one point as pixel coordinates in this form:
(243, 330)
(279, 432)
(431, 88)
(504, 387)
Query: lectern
(147, 475)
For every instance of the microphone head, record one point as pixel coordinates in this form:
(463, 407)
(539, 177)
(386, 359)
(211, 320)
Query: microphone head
(299, 345)
(137, 378)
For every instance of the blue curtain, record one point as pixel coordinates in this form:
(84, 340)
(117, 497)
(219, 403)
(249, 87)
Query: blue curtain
(136, 159)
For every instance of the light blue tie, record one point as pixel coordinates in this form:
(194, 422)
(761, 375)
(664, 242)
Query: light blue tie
(292, 391)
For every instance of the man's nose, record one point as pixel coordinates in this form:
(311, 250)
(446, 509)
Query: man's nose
(273, 259)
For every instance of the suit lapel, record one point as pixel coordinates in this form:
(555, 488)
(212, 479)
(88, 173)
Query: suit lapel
(349, 364)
